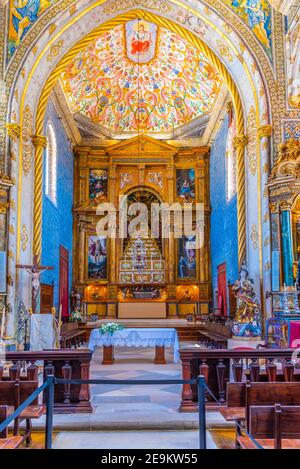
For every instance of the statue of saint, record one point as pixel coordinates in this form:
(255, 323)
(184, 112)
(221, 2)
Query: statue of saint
(247, 318)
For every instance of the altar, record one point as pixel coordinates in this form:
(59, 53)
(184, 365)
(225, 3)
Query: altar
(130, 337)
(142, 310)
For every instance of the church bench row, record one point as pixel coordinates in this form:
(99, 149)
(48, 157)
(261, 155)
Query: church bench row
(71, 335)
(220, 366)
(240, 397)
(65, 364)
(8, 442)
(12, 394)
(273, 427)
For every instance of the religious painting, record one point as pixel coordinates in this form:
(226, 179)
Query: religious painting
(159, 96)
(185, 184)
(257, 15)
(98, 183)
(97, 257)
(22, 15)
(187, 258)
(140, 40)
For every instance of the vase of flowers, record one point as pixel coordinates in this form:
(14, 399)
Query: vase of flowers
(110, 328)
(75, 316)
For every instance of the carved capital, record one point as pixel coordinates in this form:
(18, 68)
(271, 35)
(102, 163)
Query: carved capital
(274, 207)
(240, 141)
(286, 204)
(3, 207)
(264, 131)
(13, 130)
(288, 161)
(39, 141)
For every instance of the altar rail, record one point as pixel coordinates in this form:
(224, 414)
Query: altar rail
(63, 364)
(221, 365)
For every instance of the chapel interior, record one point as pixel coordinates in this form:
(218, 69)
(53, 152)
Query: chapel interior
(181, 121)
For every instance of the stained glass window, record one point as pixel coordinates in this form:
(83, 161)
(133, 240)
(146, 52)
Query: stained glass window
(51, 163)
(230, 160)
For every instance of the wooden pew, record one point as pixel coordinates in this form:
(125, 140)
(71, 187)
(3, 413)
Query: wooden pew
(273, 427)
(12, 394)
(215, 334)
(71, 335)
(6, 442)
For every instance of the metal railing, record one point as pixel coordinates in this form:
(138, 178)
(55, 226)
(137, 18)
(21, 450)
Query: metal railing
(51, 381)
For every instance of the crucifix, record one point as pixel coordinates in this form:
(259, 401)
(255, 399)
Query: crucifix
(35, 270)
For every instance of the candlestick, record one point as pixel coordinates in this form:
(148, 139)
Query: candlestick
(3, 322)
(59, 316)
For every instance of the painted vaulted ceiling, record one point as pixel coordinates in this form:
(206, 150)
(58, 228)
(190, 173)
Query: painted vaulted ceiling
(140, 77)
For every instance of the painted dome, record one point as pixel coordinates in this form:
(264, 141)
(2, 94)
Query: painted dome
(139, 76)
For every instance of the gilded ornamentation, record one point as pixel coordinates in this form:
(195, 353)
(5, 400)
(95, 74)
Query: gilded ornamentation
(288, 161)
(10, 254)
(39, 141)
(274, 207)
(294, 101)
(13, 130)
(3, 207)
(4, 177)
(10, 281)
(27, 131)
(11, 229)
(252, 140)
(52, 28)
(240, 141)
(254, 236)
(55, 50)
(156, 178)
(126, 179)
(119, 5)
(224, 51)
(187, 292)
(264, 131)
(24, 237)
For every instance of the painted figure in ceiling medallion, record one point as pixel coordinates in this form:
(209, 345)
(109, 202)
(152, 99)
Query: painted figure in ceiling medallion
(140, 40)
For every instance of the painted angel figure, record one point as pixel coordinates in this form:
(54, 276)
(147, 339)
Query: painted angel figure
(141, 40)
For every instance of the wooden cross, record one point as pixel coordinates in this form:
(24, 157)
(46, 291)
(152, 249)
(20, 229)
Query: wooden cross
(35, 270)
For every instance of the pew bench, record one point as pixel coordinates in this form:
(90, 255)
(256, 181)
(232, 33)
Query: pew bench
(71, 335)
(273, 427)
(8, 442)
(12, 394)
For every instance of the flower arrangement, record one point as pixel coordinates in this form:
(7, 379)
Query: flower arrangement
(75, 316)
(110, 328)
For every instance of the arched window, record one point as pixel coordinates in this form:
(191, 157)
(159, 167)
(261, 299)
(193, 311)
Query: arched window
(51, 163)
(230, 160)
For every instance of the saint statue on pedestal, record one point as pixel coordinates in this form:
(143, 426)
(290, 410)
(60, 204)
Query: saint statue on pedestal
(247, 318)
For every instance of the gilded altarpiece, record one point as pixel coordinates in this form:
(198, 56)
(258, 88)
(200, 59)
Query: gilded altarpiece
(152, 172)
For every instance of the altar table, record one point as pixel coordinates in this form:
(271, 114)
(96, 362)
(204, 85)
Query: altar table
(131, 337)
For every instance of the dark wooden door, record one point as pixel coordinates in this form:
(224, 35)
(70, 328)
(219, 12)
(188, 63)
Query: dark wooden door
(46, 298)
(64, 280)
(222, 289)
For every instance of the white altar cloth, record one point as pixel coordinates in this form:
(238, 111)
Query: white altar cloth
(139, 337)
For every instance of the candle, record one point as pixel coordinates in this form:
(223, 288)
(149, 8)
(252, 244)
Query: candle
(3, 322)
(59, 316)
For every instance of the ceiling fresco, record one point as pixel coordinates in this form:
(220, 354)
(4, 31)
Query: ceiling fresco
(139, 76)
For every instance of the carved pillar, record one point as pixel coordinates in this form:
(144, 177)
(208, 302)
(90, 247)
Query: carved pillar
(287, 243)
(39, 142)
(239, 143)
(8, 184)
(264, 133)
(276, 247)
(171, 242)
(112, 241)
(81, 252)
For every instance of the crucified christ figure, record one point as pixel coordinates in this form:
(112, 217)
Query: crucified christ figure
(35, 271)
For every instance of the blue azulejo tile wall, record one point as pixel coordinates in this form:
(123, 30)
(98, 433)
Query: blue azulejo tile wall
(223, 233)
(57, 220)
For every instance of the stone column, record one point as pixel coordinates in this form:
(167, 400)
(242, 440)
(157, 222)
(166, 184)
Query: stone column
(287, 243)
(239, 143)
(264, 133)
(112, 261)
(14, 133)
(39, 142)
(171, 242)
